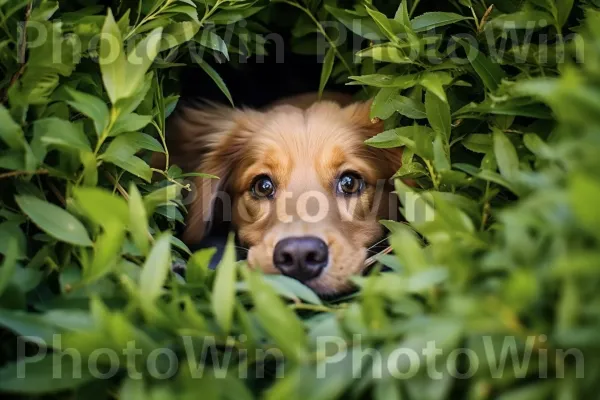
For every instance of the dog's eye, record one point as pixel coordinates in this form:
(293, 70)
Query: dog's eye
(350, 183)
(263, 187)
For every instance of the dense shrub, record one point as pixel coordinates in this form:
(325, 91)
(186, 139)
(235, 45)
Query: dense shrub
(498, 105)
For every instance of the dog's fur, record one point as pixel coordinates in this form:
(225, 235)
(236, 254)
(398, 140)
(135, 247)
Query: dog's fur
(303, 144)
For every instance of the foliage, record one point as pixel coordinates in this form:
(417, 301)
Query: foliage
(498, 107)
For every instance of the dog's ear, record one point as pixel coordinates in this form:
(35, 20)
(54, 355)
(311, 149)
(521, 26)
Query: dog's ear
(208, 139)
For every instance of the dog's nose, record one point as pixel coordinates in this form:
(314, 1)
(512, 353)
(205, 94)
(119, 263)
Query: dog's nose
(302, 258)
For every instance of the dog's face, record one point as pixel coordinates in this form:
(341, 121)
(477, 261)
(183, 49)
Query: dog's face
(303, 191)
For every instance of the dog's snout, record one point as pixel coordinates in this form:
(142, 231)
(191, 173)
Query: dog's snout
(302, 258)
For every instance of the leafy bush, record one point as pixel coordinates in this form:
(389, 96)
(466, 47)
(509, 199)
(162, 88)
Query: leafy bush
(498, 106)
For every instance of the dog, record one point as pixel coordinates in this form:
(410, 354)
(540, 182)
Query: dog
(301, 189)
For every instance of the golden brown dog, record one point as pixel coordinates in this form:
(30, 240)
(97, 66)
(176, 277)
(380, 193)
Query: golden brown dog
(301, 188)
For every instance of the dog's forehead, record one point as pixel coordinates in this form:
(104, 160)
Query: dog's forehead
(322, 128)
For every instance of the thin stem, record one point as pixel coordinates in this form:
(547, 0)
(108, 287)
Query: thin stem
(117, 185)
(434, 178)
(173, 181)
(13, 174)
(311, 307)
(476, 19)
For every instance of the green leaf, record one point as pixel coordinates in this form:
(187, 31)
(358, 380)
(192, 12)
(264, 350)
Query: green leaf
(438, 114)
(55, 221)
(35, 327)
(276, 318)
(409, 107)
(383, 103)
(36, 376)
(386, 53)
(387, 139)
(138, 220)
(387, 81)
(107, 252)
(508, 160)
(233, 16)
(326, 69)
(44, 11)
(214, 76)
(441, 161)
(402, 14)
(122, 74)
(525, 19)
(198, 266)
(178, 33)
(9, 264)
(364, 27)
(584, 193)
(390, 28)
(292, 289)
(431, 20)
(62, 134)
(223, 295)
(479, 143)
(139, 61)
(490, 73)
(10, 132)
(563, 10)
(155, 271)
(10, 230)
(113, 63)
(101, 206)
(130, 123)
(434, 83)
(90, 106)
(123, 148)
(548, 5)
(211, 40)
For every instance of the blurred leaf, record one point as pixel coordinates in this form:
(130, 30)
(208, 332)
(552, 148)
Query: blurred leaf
(101, 206)
(292, 289)
(582, 190)
(9, 264)
(508, 160)
(138, 220)
(198, 265)
(223, 296)
(277, 320)
(155, 271)
(38, 376)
